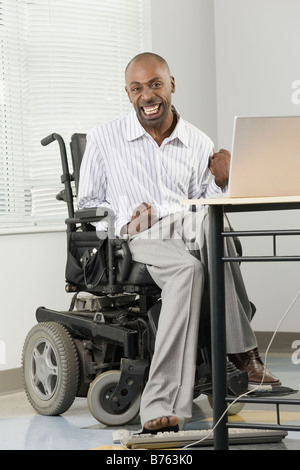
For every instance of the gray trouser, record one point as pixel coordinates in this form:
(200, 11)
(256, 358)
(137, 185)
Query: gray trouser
(175, 251)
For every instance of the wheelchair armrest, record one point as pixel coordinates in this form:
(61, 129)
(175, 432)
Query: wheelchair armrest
(87, 216)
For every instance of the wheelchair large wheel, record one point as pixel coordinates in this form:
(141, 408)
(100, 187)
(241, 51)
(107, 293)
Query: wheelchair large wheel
(50, 368)
(100, 391)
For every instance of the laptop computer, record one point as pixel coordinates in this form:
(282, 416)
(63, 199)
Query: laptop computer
(265, 158)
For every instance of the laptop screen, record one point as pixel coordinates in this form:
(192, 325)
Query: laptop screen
(265, 158)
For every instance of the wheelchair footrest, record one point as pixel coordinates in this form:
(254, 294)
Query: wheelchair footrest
(237, 382)
(271, 391)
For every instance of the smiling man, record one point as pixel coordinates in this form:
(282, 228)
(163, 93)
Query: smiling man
(151, 99)
(141, 165)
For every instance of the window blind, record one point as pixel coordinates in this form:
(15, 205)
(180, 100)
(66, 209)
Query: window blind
(62, 70)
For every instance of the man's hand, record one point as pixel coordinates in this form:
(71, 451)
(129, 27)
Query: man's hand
(142, 218)
(219, 166)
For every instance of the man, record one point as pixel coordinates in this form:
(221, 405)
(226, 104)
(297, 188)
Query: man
(141, 165)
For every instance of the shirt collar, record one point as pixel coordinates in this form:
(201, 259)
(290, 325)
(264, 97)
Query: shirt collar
(134, 127)
(180, 129)
(136, 130)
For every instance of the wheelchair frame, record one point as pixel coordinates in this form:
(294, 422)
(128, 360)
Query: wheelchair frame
(102, 347)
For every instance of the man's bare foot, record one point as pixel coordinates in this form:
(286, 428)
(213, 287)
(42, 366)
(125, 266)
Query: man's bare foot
(161, 424)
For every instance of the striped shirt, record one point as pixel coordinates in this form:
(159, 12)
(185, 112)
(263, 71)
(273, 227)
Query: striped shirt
(123, 167)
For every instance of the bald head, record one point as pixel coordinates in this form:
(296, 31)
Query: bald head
(148, 56)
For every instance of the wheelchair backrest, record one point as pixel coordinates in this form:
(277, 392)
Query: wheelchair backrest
(77, 145)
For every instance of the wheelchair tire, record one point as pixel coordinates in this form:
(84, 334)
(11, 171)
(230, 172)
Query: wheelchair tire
(98, 396)
(50, 368)
(233, 410)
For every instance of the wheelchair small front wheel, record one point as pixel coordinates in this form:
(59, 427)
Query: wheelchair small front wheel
(98, 398)
(50, 368)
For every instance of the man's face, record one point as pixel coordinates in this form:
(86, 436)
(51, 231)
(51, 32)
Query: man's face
(150, 87)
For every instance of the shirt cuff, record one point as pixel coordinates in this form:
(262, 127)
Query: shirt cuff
(119, 223)
(213, 188)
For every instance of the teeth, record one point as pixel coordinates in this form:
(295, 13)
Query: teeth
(151, 109)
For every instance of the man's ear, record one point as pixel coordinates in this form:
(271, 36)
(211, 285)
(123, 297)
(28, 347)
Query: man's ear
(126, 89)
(172, 84)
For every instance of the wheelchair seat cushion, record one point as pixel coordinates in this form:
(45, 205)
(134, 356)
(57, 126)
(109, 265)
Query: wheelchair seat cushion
(139, 275)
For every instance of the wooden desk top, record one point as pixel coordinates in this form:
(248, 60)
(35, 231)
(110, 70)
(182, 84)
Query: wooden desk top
(240, 200)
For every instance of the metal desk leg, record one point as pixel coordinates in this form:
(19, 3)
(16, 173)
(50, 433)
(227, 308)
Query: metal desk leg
(218, 325)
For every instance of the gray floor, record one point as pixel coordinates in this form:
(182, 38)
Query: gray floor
(21, 428)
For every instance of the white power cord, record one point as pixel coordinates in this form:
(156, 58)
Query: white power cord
(261, 382)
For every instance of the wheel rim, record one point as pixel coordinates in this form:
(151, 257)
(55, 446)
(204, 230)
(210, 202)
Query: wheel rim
(43, 369)
(104, 399)
(100, 391)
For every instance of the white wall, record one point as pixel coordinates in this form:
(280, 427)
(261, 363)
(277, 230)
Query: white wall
(31, 275)
(183, 33)
(229, 57)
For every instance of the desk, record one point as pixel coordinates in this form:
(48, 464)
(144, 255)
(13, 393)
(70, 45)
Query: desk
(217, 208)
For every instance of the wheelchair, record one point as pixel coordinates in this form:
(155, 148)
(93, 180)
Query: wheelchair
(101, 348)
